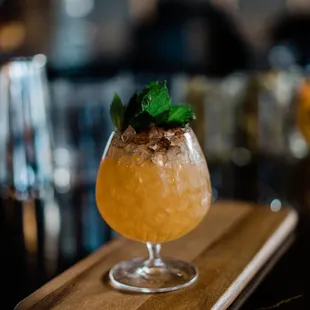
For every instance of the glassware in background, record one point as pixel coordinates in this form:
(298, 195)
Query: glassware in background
(302, 108)
(216, 102)
(267, 134)
(29, 214)
(275, 101)
(153, 187)
(246, 127)
(300, 148)
(265, 118)
(195, 95)
(223, 100)
(81, 127)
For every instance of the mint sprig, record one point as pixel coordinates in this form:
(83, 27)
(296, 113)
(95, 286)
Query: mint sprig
(151, 106)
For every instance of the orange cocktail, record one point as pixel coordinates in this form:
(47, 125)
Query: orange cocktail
(151, 202)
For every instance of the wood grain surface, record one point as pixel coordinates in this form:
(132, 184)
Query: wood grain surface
(228, 247)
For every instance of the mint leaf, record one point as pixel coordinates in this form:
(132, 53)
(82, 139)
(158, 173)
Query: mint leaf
(147, 88)
(162, 118)
(179, 115)
(133, 109)
(155, 98)
(142, 121)
(117, 112)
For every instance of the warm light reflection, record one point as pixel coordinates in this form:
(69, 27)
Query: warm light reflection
(30, 226)
(141, 9)
(298, 145)
(52, 231)
(303, 109)
(12, 36)
(226, 4)
(298, 4)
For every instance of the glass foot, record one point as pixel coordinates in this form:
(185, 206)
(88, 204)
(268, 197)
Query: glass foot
(165, 276)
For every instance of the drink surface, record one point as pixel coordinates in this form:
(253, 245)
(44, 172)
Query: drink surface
(147, 202)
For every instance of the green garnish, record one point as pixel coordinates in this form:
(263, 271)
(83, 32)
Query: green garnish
(155, 98)
(180, 114)
(151, 106)
(117, 111)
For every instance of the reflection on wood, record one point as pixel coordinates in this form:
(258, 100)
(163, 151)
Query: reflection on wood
(30, 226)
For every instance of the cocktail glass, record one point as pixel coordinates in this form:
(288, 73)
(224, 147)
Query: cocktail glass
(153, 187)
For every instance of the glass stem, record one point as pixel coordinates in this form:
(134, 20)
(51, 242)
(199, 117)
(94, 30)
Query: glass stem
(154, 259)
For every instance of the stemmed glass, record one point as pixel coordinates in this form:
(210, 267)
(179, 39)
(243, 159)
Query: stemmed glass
(153, 187)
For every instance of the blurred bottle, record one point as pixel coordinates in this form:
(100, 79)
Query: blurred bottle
(29, 214)
(81, 128)
(300, 149)
(264, 130)
(223, 100)
(303, 108)
(195, 96)
(215, 101)
(266, 112)
(277, 89)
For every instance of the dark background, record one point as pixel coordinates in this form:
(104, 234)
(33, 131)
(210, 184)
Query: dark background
(240, 63)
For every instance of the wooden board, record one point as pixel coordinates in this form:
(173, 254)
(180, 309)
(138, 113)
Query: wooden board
(229, 248)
